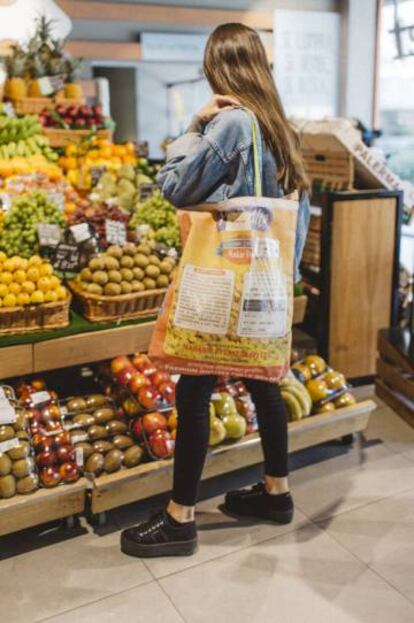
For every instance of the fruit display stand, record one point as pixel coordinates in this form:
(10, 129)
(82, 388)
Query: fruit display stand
(113, 490)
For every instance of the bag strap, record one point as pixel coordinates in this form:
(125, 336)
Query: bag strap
(257, 157)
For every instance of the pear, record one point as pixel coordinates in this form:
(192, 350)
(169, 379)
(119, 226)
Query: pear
(217, 431)
(224, 405)
(235, 426)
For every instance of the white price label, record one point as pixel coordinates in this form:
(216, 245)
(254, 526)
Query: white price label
(9, 110)
(6, 201)
(7, 414)
(57, 198)
(49, 235)
(77, 438)
(39, 398)
(81, 232)
(79, 457)
(115, 232)
(5, 446)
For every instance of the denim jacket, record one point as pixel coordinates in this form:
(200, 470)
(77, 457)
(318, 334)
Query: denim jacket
(215, 162)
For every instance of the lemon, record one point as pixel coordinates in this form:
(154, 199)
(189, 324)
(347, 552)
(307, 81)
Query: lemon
(33, 274)
(37, 297)
(46, 270)
(51, 296)
(24, 263)
(9, 265)
(35, 260)
(15, 288)
(23, 298)
(17, 261)
(28, 286)
(6, 278)
(9, 300)
(3, 290)
(54, 282)
(43, 284)
(3, 256)
(19, 276)
(61, 293)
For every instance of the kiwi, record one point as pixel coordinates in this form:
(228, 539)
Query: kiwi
(5, 465)
(97, 263)
(121, 442)
(133, 456)
(19, 452)
(96, 400)
(141, 260)
(113, 461)
(102, 446)
(154, 259)
(138, 273)
(111, 263)
(104, 415)
(86, 448)
(22, 468)
(97, 432)
(166, 267)
(116, 427)
(100, 277)
(94, 288)
(127, 274)
(84, 420)
(162, 281)
(7, 486)
(150, 284)
(115, 276)
(126, 287)
(129, 249)
(28, 484)
(86, 274)
(6, 433)
(144, 248)
(127, 261)
(114, 251)
(20, 423)
(112, 289)
(137, 286)
(95, 464)
(23, 435)
(152, 271)
(76, 404)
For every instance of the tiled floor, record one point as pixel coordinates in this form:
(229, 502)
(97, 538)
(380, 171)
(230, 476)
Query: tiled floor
(347, 558)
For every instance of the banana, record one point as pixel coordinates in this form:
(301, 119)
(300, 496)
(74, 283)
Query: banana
(301, 398)
(293, 405)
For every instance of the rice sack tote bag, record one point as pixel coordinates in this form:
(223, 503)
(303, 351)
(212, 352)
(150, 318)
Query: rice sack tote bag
(229, 309)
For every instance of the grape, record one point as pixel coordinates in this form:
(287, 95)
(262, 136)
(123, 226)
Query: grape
(161, 215)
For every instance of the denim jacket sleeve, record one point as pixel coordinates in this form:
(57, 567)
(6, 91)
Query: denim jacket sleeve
(197, 163)
(301, 231)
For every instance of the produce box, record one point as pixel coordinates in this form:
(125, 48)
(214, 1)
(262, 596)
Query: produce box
(62, 138)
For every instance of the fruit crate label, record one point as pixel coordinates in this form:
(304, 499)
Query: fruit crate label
(79, 438)
(79, 457)
(81, 232)
(146, 191)
(58, 198)
(5, 446)
(50, 84)
(6, 201)
(49, 235)
(7, 414)
(39, 398)
(66, 257)
(8, 110)
(115, 232)
(96, 174)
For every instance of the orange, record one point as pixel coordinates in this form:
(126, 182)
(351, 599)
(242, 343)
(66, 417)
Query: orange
(28, 286)
(43, 284)
(19, 276)
(51, 296)
(46, 270)
(9, 265)
(61, 293)
(23, 298)
(33, 274)
(54, 282)
(9, 300)
(6, 277)
(37, 297)
(35, 260)
(15, 288)
(3, 290)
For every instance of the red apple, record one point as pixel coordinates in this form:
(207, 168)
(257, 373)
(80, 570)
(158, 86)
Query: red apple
(130, 406)
(69, 472)
(84, 111)
(97, 109)
(149, 397)
(62, 439)
(66, 454)
(80, 123)
(119, 363)
(167, 391)
(50, 476)
(141, 361)
(38, 385)
(37, 440)
(46, 459)
(137, 429)
(33, 415)
(162, 444)
(159, 377)
(137, 381)
(53, 427)
(152, 422)
(47, 445)
(125, 375)
(51, 412)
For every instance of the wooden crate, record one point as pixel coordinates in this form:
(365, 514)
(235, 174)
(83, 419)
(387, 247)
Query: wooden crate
(33, 318)
(299, 308)
(329, 170)
(137, 483)
(61, 138)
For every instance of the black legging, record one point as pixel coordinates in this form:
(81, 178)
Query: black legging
(193, 398)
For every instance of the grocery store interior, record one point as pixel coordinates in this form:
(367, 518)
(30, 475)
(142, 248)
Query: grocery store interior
(92, 94)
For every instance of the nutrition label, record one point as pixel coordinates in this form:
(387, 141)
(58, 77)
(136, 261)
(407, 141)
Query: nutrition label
(205, 299)
(263, 311)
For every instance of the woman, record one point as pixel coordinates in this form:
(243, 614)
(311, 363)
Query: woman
(211, 162)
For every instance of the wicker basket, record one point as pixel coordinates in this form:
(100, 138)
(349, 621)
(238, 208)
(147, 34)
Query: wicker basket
(32, 105)
(97, 308)
(62, 138)
(33, 318)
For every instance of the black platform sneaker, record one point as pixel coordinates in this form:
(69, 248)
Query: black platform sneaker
(160, 536)
(258, 504)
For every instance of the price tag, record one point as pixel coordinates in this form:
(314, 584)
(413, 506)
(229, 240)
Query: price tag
(7, 414)
(173, 253)
(66, 257)
(216, 396)
(8, 110)
(142, 230)
(57, 198)
(96, 174)
(79, 457)
(49, 235)
(142, 149)
(6, 201)
(77, 438)
(5, 446)
(146, 191)
(81, 232)
(50, 84)
(115, 232)
(39, 398)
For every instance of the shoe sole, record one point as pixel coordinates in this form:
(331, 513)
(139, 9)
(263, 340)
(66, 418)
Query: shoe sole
(279, 517)
(156, 550)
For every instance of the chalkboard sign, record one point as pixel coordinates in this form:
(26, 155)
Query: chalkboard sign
(146, 191)
(66, 258)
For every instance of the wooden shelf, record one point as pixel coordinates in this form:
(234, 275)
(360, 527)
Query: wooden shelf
(126, 486)
(25, 511)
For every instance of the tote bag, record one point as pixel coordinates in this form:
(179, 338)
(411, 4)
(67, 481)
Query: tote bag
(229, 309)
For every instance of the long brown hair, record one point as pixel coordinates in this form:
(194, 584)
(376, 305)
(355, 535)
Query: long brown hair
(235, 63)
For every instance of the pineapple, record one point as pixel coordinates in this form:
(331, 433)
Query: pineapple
(36, 70)
(73, 89)
(16, 87)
